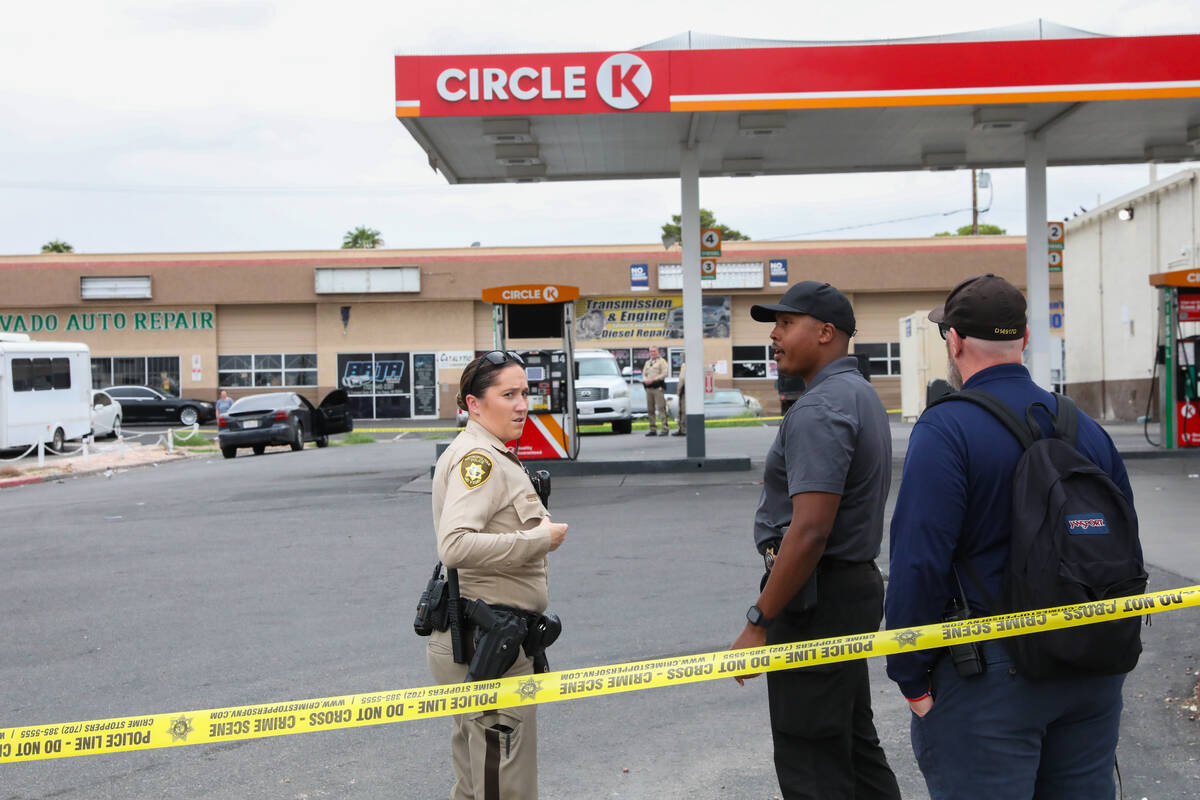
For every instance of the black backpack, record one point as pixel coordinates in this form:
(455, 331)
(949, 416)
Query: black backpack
(1074, 540)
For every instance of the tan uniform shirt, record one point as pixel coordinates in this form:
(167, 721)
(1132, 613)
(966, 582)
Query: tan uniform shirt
(655, 369)
(484, 509)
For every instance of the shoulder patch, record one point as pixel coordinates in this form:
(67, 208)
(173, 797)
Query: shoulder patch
(475, 469)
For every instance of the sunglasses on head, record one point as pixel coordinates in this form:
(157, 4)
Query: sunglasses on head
(498, 357)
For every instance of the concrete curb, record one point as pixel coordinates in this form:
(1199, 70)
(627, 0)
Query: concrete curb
(6, 483)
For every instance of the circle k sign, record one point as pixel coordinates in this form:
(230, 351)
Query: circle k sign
(624, 81)
(530, 294)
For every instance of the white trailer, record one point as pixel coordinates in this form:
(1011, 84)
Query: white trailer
(922, 359)
(45, 391)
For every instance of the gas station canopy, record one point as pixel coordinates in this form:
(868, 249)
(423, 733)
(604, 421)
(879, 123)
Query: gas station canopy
(693, 106)
(749, 107)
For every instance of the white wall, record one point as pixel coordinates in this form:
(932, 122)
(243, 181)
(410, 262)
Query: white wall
(1107, 264)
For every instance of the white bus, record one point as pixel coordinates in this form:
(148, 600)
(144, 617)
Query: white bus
(45, 391)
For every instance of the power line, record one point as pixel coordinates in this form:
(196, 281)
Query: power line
(869, 224)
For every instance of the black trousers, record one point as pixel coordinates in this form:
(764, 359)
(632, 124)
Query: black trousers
(826, 747)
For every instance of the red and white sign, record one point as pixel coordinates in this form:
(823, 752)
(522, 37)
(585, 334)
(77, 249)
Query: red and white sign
(537, 83)
(1189, 307)
(542, 437)
(853, 76)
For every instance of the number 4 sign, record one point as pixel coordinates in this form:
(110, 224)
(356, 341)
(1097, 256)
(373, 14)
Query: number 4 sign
(710, 243)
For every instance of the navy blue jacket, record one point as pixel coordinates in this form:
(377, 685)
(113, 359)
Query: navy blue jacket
(955, 503)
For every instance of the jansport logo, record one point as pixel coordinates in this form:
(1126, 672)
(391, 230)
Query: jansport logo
(1087, 524)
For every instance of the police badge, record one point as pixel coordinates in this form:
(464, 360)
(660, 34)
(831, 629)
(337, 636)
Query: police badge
(475, 469)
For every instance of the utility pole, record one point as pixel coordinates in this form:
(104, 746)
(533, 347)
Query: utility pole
(974, 206)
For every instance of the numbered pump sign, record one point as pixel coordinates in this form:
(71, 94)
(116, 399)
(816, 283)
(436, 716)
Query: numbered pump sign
(710, 243)
(1055, 238)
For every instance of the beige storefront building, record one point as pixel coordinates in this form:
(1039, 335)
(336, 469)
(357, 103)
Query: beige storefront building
(393, 327)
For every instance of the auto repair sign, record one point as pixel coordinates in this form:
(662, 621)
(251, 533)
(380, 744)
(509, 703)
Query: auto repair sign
(549, 83)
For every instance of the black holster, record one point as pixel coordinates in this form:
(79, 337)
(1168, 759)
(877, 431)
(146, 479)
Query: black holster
(500, 632)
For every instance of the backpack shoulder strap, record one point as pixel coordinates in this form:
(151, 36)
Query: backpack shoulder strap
(996, 407)
(1066, 421)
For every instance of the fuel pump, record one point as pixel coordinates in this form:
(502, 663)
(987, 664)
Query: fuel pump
(1179, 294)
(538, 311)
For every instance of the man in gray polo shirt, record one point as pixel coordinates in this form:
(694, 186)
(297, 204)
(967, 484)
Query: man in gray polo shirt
(819, 527)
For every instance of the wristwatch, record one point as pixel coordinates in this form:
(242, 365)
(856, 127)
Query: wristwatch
(755, 617)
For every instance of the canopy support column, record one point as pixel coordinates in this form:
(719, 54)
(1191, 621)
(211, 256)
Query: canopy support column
(693, 321)
(1037, 270)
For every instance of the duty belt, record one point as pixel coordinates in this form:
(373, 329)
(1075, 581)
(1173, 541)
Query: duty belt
(772, 552)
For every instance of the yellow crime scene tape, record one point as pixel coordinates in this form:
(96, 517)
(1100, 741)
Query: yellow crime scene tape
(121, 734)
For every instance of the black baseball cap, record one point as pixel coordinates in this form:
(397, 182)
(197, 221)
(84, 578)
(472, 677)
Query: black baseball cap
(984, 307)
(816, 299)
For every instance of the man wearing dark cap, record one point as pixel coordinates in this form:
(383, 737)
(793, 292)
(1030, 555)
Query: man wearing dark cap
(994, 734)
(819, 526)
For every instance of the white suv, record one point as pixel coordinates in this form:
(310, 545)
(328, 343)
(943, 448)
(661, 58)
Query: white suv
(601, 394)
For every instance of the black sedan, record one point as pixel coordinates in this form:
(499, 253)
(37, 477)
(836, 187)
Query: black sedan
(287, 418)
(143, 404)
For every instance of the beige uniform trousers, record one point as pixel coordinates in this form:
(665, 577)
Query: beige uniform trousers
(681, 423)
(656, 403)
(494, 752)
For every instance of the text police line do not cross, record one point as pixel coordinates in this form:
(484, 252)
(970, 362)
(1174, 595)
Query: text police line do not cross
(121, 734)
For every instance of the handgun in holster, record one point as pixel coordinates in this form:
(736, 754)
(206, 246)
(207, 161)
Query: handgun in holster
(433, 608)
(498, 638)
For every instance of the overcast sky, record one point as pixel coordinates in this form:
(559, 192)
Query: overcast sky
(210, 125)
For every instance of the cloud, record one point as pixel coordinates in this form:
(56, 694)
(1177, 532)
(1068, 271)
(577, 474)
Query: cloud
(202, 16)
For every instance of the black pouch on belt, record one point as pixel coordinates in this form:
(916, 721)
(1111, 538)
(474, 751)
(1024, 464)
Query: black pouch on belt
(434, 605)
(542, 633)
(499, 636)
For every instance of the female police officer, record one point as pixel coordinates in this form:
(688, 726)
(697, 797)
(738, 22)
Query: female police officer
(492, 527)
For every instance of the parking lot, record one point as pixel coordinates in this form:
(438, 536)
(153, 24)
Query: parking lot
(208, 583)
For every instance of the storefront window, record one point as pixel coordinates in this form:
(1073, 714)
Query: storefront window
(157, 372)
(751, 361)
(884, 356)
(267, 369)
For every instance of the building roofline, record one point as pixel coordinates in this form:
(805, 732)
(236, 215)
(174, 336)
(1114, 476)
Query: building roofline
(386, 257)
(1136, 196)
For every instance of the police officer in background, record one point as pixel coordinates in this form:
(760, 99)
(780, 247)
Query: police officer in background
(681, 420)
(493, 528)
(654, 378)
(819, 527)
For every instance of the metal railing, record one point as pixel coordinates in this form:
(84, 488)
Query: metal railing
(166, 438)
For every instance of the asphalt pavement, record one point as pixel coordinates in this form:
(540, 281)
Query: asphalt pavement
(211, 583)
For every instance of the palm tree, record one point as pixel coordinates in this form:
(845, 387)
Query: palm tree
(57, 246)
(362, 237)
